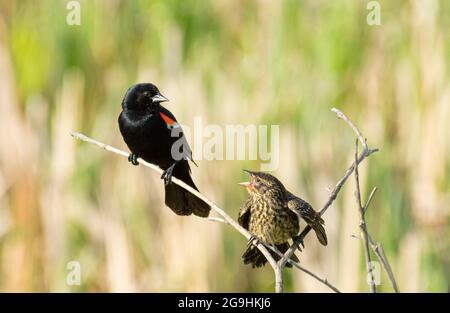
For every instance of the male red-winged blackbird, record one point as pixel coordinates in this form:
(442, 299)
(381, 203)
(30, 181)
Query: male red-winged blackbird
(271, 214)
(150, 131)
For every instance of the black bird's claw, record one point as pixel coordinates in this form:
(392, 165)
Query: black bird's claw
(133, 159)
(167, 174)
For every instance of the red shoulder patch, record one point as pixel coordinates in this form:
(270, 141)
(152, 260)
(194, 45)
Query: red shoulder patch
(168, 120)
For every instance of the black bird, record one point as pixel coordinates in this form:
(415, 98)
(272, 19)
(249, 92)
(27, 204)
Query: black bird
(272, 214)
(150, 132)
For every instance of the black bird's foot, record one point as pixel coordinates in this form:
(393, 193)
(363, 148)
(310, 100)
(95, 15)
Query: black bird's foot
(167, 174)
(133, 159)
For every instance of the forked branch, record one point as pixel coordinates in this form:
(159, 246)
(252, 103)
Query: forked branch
(364, 154)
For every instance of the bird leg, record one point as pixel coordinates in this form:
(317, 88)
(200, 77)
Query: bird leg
(301, 243)
(133, 159)
(167, 174)
(253, 238)
(300, 247)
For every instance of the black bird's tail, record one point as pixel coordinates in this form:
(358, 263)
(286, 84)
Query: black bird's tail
(181, 201)
(254, 257)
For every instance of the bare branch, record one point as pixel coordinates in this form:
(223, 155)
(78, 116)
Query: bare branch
(363, 226)
(378, 247)
(279, 279)
(364, 154)
(379, 252)
(297, 265)
(343, 117)
(323, 280)
(342, 181)
(217, 219)
(374, 190)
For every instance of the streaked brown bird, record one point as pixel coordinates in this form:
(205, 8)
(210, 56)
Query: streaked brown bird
(271, 214)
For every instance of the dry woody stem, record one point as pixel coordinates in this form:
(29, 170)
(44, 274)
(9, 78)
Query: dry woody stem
(364, 154)
(363, 226)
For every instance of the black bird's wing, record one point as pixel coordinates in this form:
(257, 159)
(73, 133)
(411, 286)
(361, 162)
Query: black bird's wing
(187, 152)
(309, 215)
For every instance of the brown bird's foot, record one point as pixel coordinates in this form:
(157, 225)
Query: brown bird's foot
(301, 244)
(252, 239)
(167, 174)
(133, 159)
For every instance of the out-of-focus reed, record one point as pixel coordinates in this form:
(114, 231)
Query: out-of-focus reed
(258, 62)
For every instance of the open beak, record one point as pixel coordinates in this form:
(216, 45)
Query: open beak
(244, 184)
(159, 98)
(247, 184)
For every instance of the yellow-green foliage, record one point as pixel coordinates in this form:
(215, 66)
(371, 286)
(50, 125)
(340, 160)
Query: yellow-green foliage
(231, 62)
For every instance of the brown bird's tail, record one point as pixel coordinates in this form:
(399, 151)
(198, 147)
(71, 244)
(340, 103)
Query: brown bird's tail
(254, 257)
(181, 201)
(309, 215)
(320, 233)
(315, 221)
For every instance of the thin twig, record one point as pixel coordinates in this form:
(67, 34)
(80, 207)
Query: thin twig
(374, 190)
(363, 226)
(378, 247)
(297, 265)
(217, 219)
(379, 252)
(323, 280)
(355, 129)
(364, 154)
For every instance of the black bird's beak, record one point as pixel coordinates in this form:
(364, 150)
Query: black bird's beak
(159, 98)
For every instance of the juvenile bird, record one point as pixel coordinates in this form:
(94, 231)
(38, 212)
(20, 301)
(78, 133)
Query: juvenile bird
(271, 214)
(150, 132)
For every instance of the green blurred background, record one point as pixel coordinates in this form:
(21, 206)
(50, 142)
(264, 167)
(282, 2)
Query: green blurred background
(231, 62)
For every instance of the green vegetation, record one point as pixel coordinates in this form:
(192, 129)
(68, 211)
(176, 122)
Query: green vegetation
(231, 62)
